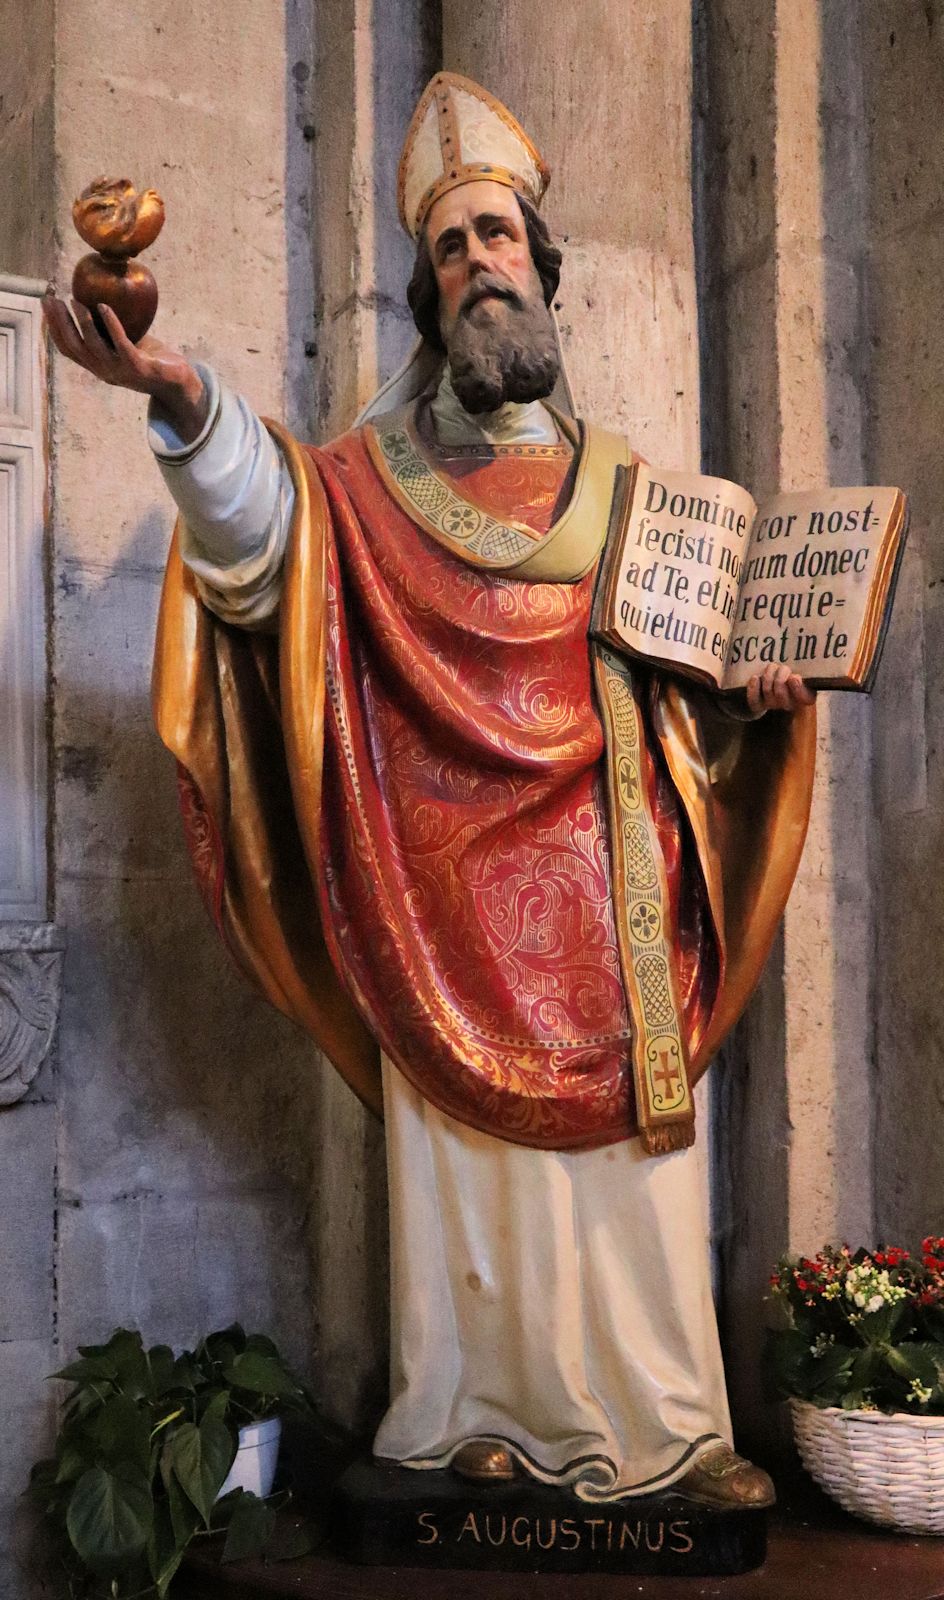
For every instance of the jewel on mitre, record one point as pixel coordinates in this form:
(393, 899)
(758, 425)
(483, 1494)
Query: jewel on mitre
(459, 133)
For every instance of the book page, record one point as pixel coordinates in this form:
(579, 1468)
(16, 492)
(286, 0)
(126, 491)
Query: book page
(676, 592)
(807, 582)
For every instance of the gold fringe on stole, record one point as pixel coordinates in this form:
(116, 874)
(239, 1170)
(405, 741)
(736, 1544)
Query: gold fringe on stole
(665, 1107)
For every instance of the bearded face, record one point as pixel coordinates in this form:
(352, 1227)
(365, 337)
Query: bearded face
(485, 270)
(501, 346)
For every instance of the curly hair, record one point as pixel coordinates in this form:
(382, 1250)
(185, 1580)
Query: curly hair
(423, 291)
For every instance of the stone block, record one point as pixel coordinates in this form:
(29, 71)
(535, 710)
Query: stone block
(28, 1408)
(27, 1206)
(628, 328)
(176, 1077)
(742, 412)
(116, 809)
(736, 112)
(26, 138)
(617, 179)
(179, 1268)
(903, 69)
(901, 747)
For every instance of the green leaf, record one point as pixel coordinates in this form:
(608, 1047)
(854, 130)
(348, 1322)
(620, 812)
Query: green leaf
(161, 1369)
(259, 1343)
(830, 1371)
(73, 1461)
(164, 1550)
(186, 1372)
(911, 1362)
(865, 1368)
(290, 1541)
(933, 1318)
(217, 1407)
(788, 1362)
(877, 1327)
(260, 1374)
(44, 1488)
(202, 1456)
(120, 1432)
(90, 1369)
(85, 1401)
(126, 1349)
(109, 1518)
(184, 1517)
(250, 1528)
(935, 1354)
(234, 1335)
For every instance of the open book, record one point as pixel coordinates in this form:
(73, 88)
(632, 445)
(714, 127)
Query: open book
(699, 579)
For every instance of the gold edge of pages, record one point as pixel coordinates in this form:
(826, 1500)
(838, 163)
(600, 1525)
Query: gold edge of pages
(878, 590)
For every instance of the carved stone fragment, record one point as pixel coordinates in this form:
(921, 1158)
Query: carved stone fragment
(29, 1006)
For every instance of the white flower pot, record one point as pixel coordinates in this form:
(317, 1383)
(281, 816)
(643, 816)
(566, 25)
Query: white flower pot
(256, 1458)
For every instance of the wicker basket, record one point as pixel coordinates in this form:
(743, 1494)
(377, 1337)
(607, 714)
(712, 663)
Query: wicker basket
(886, 1468)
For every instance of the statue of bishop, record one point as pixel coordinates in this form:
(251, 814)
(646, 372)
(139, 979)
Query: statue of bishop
(515, 887)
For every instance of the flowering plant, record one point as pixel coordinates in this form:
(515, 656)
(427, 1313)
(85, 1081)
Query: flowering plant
(861, 1329)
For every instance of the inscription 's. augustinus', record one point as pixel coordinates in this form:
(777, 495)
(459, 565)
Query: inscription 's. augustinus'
(560, 1533)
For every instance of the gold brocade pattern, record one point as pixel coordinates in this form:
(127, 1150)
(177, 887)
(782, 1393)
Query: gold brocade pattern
(458, 523)
(641, 901)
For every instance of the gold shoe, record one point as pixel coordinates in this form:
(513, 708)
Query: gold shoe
(726, 1482)
(482, 1462)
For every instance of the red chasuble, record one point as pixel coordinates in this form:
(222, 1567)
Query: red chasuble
(465, 870)
(457, 866)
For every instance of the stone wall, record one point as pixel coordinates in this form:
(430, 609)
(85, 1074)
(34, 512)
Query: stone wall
(781, 220)
(183, 1157)
(160, 1173)
(903, 54)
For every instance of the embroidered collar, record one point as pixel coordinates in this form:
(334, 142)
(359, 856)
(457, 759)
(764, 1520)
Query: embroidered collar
(430, 497)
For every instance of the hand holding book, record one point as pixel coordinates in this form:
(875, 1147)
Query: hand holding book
(778, 689)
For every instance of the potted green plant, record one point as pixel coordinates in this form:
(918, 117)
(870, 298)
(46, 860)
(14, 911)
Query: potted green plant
(858, 1350)
(147, 1457)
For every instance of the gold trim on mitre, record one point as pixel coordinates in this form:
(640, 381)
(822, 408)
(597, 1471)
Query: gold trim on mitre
(457, 134)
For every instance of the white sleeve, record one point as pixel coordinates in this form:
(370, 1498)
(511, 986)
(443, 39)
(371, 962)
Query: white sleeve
(235, 498)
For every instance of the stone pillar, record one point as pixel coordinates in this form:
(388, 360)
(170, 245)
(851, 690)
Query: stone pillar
(781, 240)
(26, 137)
(370, 65)
(185, 1104)
(605, 92)
(903, 57)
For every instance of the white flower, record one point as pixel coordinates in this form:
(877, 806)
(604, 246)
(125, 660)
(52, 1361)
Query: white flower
(871, 1289)
(919, 1391)
(822, 1344)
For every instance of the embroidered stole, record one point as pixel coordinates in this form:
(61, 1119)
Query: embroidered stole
(664, 1102)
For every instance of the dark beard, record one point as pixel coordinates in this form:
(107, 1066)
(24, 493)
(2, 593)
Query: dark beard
(509, 356)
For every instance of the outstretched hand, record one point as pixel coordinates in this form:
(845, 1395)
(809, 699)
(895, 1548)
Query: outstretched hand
(778, 689)
(148, 367)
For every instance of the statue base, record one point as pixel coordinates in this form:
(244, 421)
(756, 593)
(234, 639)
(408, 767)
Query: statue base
(392, 1516)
